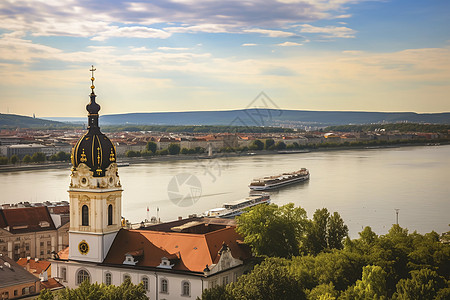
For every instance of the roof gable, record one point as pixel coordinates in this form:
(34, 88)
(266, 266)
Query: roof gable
(27, 219)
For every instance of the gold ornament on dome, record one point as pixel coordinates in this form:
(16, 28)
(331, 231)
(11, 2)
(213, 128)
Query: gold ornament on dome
(83, 157)
(111, 156)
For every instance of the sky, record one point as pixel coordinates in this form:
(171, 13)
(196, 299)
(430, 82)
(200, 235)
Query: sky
(185, 55)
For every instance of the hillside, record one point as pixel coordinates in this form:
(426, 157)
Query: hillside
(271, 117)
(14, 121)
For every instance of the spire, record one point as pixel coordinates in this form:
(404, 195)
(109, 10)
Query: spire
(93, 107)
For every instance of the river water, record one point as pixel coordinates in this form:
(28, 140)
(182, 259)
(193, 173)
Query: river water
(364, 186)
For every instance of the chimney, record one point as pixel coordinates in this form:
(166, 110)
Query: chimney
(180, 218)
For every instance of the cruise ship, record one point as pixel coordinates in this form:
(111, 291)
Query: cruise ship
(277, 181)
(235, 208)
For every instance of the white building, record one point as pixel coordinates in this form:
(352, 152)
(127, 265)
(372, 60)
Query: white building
(175, 260)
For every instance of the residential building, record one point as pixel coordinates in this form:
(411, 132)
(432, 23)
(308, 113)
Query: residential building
(15, 281)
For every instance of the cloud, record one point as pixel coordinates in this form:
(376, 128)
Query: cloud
(249, 45)
(131, 32)
(270, 33)
(103, 19)
(329, 31)
(288, 44)
(173, 48)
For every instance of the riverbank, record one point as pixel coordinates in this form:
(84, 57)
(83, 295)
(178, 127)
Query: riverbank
(189, 157)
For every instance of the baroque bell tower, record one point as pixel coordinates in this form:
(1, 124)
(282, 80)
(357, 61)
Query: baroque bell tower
(95, 191)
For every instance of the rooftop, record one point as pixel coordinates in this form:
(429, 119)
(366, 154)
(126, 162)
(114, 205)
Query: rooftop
(12, 274)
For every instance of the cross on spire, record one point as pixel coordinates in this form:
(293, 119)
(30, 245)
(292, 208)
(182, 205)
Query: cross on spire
(92, 78)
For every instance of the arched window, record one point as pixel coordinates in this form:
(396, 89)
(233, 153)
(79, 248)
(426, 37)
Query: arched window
(185, 288)
(82, 275)
(164, 286)
(110, 214)
(108, 278)
(64, 274)
(85, 215)
(145, 282)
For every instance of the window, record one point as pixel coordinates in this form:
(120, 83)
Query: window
(31, 289)
(85, 215)
(108, 278)
(83, 275)
(24, 291)
(110, 214)
(126, 276)
(64, 274)
(49, 243)
(185, 288)
(145, 282)
(225, 280)
(16, 292)
(42, 244)
(164, 286)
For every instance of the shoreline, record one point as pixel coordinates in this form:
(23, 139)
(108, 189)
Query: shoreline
(149, 159)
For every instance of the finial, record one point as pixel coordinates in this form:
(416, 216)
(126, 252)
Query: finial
(92, 78)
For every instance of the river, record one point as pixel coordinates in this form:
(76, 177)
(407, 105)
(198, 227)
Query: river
(364, 186)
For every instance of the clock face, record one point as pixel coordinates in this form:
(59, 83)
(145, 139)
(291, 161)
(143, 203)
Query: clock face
(83, 247)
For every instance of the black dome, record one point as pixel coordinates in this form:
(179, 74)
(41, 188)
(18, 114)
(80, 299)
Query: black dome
(94, 149)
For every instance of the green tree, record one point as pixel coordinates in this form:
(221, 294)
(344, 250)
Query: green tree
(131, 153)
(26, 159)
(218, 292)
(268, 144)
(256, 145)
(46, 294)
(269, 280)
(280, 146)
(14, 159)
(38, 157)
(372, 285)
(325, 231)
(174, 149)
(273, 231)
(184, 151)
(151, 146)
(95, 291)
(3, 160)
(424, 284)
(322, 292)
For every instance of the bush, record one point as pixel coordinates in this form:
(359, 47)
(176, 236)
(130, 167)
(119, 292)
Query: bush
(26, 159)
(3, 160)
(173, 149)
(14, 159)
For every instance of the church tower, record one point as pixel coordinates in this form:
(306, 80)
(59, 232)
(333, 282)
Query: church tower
(95, 191)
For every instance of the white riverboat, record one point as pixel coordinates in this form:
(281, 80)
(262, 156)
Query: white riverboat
(277, 181)
(235, 208)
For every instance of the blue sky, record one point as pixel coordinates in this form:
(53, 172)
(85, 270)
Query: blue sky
(178, 55)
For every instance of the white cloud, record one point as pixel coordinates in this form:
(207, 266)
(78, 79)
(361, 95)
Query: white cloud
(249, 45)
(131, 32)
(270, 33)
(173, 48)
(329, 31)
(288, 44)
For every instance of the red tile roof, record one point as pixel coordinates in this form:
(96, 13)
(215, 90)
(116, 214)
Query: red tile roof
(51, 284)
(195, 251)
(36, 267)
(27, 219)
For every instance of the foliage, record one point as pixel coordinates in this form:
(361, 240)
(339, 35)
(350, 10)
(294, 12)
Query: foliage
(423, 284)
(325, 232)
(151, 146)
(256, 145)
(371, 286)
(38, 157)
(3, 160)
(322, 292)
(268, 144)
(280, 146)
(14, 159)
(273, 231)
(218, 292)
(174, 149)
(95, 291)
(60, 156)
(131, 153)
(269, 280)
(46, 294)
(26, 159)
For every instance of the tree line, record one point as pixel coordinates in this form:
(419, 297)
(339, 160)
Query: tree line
(402, 127)
(297, 258)
(35, 158)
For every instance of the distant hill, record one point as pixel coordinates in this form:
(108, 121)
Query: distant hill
(14, 121)
(242, 117)
(272, 117)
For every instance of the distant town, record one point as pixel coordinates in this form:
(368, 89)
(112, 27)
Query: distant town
(20, 145)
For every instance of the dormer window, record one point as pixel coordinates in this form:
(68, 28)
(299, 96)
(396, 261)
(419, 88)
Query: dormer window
(129, 260)
(165, 263)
